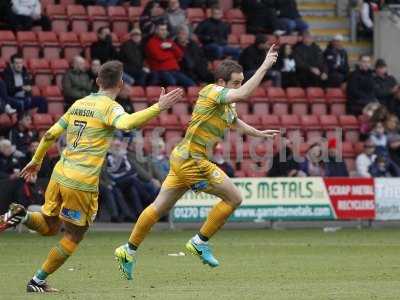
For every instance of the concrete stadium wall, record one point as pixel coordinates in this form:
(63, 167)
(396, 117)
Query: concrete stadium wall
(387, 40)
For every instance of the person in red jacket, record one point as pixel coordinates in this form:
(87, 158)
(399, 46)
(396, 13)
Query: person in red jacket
(163, 57)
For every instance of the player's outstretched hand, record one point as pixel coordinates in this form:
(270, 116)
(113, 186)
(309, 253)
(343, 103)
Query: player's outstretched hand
(167, 100)
(269, 133)
(30, 171)
(272, 56)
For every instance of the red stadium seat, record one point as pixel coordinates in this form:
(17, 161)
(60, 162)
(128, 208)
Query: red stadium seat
(185, 120)
(97, 16)
(271, 121)
(41, 71)
(137, 94)
(351, 128)
(138, 106)
(348, 150)
(42, 121)
(152, 93)
(169, 121)
(87, 39)
(233, 40)
(337, 101)
(36, 91)
(78, 17)
(8, 44)
(5, 121)
(259, 95)
(54, 98)
(253, 120)
(235, 16)
(119, 17)
(310, 124)
(2, 64)
(195, 15)
(298, 100)
(50, 46)
(358, 147)
(59, 67)
(261, 108)
(350, 164)
(238, 29)
(180, 108)
(58, 16)
(70, 43)
(278, 100)
(134, 13)
(316, 98)
(27, 41)
(329, 121)
(242, 108)
(246, 40)
(290, 121)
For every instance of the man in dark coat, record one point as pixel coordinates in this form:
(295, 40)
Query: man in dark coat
(385, 85)
(309, 59)
(361, 86)
(337, 62)
(289, 16)
(103, 49)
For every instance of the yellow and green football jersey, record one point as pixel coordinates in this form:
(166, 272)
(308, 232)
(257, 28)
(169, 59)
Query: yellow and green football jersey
(89, 128)
(212, 115)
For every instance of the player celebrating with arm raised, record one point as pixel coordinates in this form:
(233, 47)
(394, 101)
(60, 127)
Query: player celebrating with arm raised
(191, 169)
(71, 195)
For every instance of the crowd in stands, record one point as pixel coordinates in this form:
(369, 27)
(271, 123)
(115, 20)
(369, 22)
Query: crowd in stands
(164, 49)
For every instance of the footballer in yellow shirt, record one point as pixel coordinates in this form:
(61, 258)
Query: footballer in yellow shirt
(71, 195)
(213, 113)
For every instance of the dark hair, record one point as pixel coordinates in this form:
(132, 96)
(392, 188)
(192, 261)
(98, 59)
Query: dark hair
(260, 39)
(225, 69)
(110, 74)
(22, 115)
(101, 29)
(149, 6)
(16, 56)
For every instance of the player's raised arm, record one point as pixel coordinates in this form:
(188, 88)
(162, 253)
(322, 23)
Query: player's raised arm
(32, 168)
(250, 130)
(242, 93)
(137, 119)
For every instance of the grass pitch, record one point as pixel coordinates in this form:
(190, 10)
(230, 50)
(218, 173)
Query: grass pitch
(255, 264)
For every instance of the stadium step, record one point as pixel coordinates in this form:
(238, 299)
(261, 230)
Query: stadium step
(317, 8)
(327, 22)
(328, 34)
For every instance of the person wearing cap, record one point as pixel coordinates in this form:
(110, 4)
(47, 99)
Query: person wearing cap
(335, 166)
(365, 159)
(386, 85)
(309, 59)
(337, 61)
(361, 86)
(253, 56)
(132, 56)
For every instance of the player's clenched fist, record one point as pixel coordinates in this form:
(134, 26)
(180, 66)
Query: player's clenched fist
(167, 100)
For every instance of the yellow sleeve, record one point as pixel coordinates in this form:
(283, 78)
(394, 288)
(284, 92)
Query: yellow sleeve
(130, 121)
(47, 140)
(218, 94)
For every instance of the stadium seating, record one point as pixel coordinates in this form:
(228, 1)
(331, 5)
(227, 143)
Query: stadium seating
(97, 16)
(8, 44)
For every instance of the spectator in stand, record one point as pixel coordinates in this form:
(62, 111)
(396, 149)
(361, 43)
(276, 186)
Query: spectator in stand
(335, 166)
(368, 119)
(6, 102)
(22, 134)
(286, 64)
(103, 49)
(159, 161)
(19, 86)
(25, 14)
(109, 2)
(152, 15)
(213, 33)
(76, 83)
(253, 56)
(10, 166)
(393, 134)
(379, 139)
(384, 167)
(337, 62)
(194, 62)
(386, 85)
(261, 17)
(93, 71)
(289, 16)
(220, 161)
(365, 159)
(309, 62)
(132, 56)
(285, 163)
(360, 86)
(163, 57)
(368, 7)
(314, 165)
(176, 18)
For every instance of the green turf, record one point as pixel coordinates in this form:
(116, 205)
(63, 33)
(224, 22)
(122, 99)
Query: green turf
(255, 264)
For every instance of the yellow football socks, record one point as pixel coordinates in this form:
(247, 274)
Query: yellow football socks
(216, 218)
(143, 225)
(37, 222)
(58, 255)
